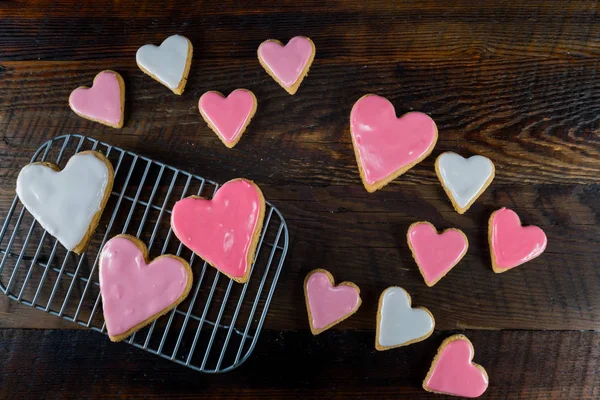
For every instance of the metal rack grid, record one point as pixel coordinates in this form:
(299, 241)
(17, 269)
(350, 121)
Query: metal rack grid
(214, 330)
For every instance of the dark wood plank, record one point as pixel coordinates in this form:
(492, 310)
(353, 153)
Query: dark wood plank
(82, 364)
(516, 112)
(379, 30)
(361, 238)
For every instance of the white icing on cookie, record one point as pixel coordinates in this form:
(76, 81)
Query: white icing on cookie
(166, 62)
(398, 322)
(464, 178)
(64, 202)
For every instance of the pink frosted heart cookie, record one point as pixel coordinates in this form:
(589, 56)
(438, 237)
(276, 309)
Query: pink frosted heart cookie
(387, 146)
(512, 244)
(327, 304)
(104, 102)
(453, 371)
(134, 291)
(288, 64)
(228, 116)
(223, 231)
(435, 253)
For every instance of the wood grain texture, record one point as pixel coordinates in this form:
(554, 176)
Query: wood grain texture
(517, 82)
(80, 364)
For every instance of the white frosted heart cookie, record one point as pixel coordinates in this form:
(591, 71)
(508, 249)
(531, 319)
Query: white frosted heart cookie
(67, 203)
(168, 63)
(464, 179)
(398, 324)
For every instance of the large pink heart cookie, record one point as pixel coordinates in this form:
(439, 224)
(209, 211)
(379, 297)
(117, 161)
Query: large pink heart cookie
(228, 116)
(288, 64)
(104, 102)
(435, 254)
(224, 231)
(136, 292)
(453, 372)
(387, 146)
(512, 244)
(328, 305)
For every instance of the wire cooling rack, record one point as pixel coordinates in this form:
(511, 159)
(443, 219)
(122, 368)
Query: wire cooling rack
(214, 330)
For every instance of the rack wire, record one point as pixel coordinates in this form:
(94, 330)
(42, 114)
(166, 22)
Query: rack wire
(214, 330)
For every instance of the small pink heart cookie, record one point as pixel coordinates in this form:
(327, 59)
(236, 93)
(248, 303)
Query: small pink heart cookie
(387, 146)
(436, 253)
(104, 102)
(453, 371)
(327, 304)
(228, 116)
(512, 244)
(288, 64)
(223, 231)
(134, 291)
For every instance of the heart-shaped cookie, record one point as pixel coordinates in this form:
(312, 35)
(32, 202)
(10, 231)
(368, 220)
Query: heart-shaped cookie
(453, 372)
(464, 179)
(387, 146)
(398, 324)
(104, 102)
(168, 63)
(435, 254)
(228, 116)
(134, 291)
(68, 203)
(288, 64)
(223, 231)
(327, 304)
(510, 243)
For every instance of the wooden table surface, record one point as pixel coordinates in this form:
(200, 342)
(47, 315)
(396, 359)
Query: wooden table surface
(518, 82)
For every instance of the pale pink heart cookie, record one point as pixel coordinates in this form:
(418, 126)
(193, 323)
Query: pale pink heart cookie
(436, 253)
(387, 146)
(510, 243)
(104, 102)
(223, 231)
(327, 304)
(134, 291)
(453, 371)
(288, 64)
(228, 116)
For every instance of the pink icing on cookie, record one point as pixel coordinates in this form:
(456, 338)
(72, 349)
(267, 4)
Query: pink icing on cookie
(102, 101)
(133, 291)
(386, 143)
(286, 62)
(229, 115)
(436, 253)
(454, 373)
(220, 230)
(329, 303)
(513, 244)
